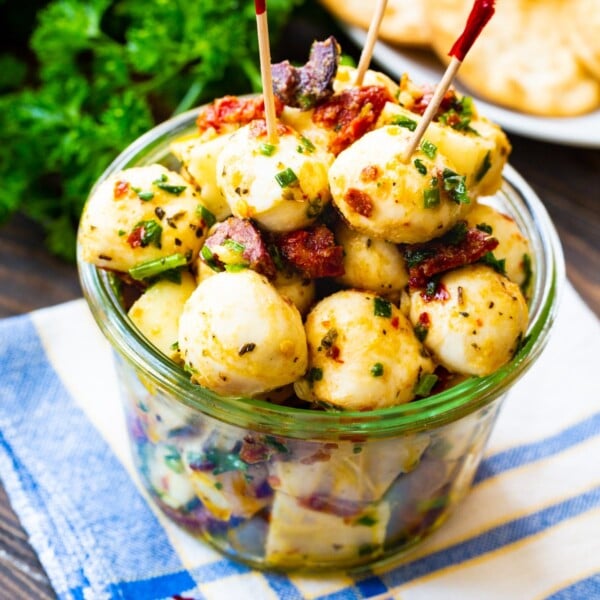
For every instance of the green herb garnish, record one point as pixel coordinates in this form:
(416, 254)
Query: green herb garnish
(428, 148)
(485, 228)
(210, 259)
(499, 265)
(156, 266)
(425, 384)
(420, 166)
(381, 307)
(431, 197)
(286, 178)
(484, 168)
(456, 186)
(267, 149)
(377, 370)
(207, 217)
(403, 121)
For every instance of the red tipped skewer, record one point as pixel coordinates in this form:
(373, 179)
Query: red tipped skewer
(264, 50)
(373, 33)
(479, 16)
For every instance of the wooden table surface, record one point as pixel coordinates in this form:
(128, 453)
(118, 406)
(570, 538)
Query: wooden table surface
(566, 178)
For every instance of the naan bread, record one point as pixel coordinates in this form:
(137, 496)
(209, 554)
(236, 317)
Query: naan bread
(403, 22)
(524, 58)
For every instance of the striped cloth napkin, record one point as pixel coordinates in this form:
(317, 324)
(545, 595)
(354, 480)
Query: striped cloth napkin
(529, 529)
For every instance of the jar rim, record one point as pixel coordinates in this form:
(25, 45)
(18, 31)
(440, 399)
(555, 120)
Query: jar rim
(417, 415)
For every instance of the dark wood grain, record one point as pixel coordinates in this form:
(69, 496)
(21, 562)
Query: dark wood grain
(567, 179)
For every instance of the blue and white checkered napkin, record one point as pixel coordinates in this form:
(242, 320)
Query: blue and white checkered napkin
(529, 529)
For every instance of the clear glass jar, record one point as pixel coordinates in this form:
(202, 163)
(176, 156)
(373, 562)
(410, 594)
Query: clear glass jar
(288, 488)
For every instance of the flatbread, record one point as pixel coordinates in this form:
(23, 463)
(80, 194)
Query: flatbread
(524, 58)
(585, 33)
(403, 23)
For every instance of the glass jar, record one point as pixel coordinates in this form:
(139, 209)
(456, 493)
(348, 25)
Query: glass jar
(289, 488)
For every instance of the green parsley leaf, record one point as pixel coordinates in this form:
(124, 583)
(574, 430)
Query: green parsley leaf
(428, 148)
(381, 307)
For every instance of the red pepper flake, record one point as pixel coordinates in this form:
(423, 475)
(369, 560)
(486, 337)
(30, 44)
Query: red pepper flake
(425, 319)
(395, 322)
(359, 201)
(334, 353)
(370, 173)
(136, 237)
(121, 189)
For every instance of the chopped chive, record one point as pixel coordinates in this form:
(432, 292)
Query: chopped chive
(209, 258)
(233, 245)
(484, 168)
(171, 189)
(286, 178)
(526, 262)
(431, 197)
(267, 149)
(206, 216)
(145, 196)
(428, 148)
(425, 384)
(308, 145)
(155, 266)
(381, 307)
(377, 370)
(236, 267)
(315, 374)
(456, 186)
(403, 121)
(420, 166)
(499, 265)
(366, 520)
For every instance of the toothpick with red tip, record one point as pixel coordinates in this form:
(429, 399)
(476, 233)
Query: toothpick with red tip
(264, 51)
(481, 13)
(367, 51)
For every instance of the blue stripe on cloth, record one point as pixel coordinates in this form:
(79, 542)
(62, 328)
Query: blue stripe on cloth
(494, 539)
(90, 526)
(515, 457)
(218, 570)
(586, 589)
(283, 587)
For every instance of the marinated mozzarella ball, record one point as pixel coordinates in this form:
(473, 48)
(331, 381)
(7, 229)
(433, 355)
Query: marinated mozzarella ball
(513, 246)
(199, 166)
(474, 325)
(140, 214)
(381, 196)
(156, 312)
(300, 290)
(371, 264)
(479, 152)
(346, 78)
(238, 335)
(282, 186)
(363, 353)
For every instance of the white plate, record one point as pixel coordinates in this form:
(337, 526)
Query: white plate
(424, 67)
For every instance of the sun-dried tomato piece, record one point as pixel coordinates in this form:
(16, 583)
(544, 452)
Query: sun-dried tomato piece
(351, 113)
(313, 252)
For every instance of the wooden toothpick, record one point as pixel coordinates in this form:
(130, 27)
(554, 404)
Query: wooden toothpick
(373, 33)
(264, 50)
(480, 14)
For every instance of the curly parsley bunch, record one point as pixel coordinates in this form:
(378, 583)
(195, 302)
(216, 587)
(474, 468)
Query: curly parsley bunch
(102, 73)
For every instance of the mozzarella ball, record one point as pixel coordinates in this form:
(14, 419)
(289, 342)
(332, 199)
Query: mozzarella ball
(140, 214)
(513, 246)
(156, 312)
(238, 335)
(282, 188)
(479, 152)
(199, 166)
(300, 290)
(475, 324)
(346, 78)
(363, 353)
(371, 264)
(383, 197)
